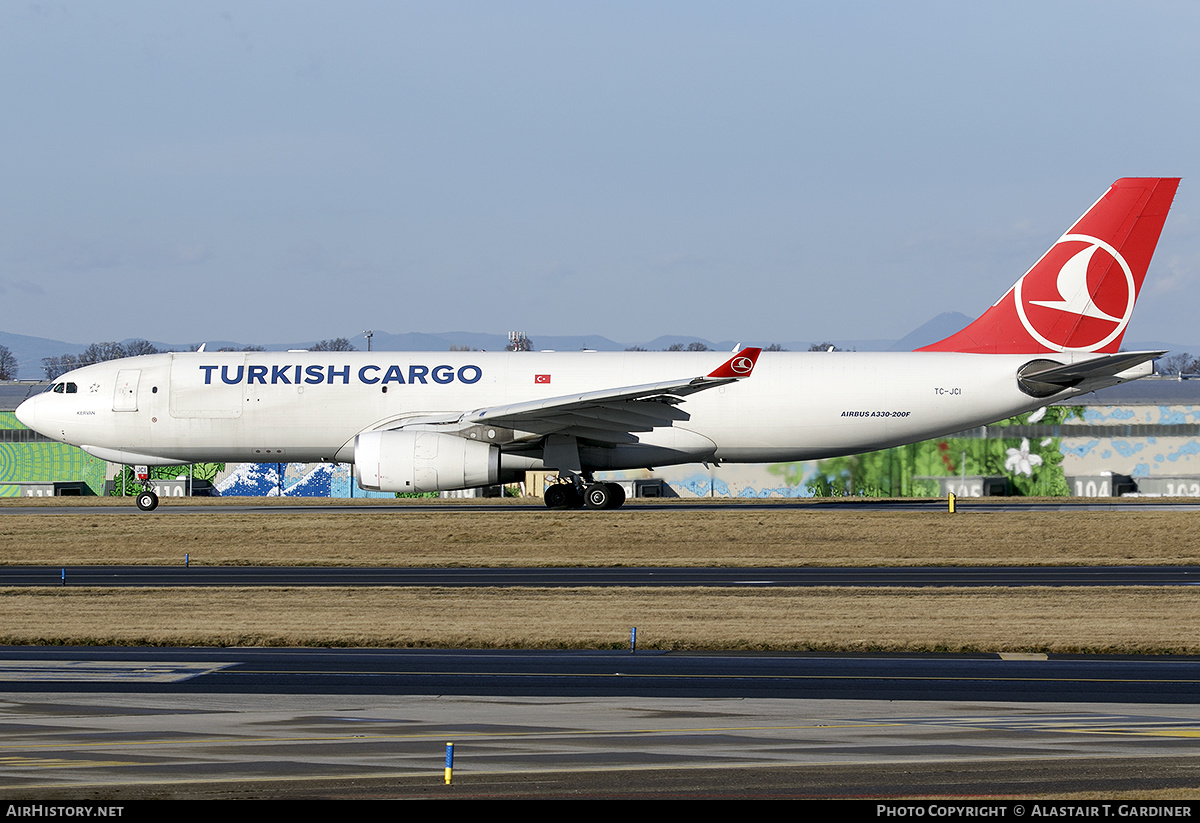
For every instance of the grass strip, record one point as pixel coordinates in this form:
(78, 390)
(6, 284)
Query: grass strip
(1125, 620)
(629, 537)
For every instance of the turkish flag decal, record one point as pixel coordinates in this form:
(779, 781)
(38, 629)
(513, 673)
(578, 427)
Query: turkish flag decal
(541, 378)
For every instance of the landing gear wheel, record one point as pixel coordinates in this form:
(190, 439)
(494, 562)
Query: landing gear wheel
(618, 495)
(598, 496)
(559, 496)
(147, 501)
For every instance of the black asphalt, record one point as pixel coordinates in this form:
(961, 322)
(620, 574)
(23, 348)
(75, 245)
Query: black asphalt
(762, 577)
(986, 677)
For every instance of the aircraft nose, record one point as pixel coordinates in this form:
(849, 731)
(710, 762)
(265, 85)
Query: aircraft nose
(28, 415)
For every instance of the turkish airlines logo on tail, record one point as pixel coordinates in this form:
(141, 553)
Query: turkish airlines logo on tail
(742, 365)
(1079, 296)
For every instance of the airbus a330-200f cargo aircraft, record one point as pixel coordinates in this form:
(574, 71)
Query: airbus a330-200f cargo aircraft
(420, 422)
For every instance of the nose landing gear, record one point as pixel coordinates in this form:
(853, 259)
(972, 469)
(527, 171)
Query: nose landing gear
(146, 499)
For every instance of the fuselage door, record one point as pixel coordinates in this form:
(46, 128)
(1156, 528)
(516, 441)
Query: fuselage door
(125, 396)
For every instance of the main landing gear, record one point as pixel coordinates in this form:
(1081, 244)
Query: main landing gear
(580, 495)
(576, 487)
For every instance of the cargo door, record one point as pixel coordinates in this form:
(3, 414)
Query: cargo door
(207, 386)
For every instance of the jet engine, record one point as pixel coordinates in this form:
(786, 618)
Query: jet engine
(423, 461)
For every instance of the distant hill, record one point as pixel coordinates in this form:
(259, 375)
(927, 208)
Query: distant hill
(939, 328)
(29, 352)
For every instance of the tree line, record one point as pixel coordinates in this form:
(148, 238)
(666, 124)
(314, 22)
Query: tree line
(101, 352)
(95, 353)
(698, 346)
(1182, 363)
(8, 364)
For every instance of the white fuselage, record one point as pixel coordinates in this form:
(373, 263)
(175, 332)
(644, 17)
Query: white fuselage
(309, 406)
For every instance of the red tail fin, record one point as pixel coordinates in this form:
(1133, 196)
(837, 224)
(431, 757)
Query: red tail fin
(1079, 296)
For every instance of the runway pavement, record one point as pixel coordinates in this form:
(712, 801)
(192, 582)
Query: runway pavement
(127, 723)
(1083, 679)
(760, 577)
(137, 723)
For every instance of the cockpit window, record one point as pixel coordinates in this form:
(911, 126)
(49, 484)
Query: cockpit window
(61, 388)
(58, 388)
(72, 388)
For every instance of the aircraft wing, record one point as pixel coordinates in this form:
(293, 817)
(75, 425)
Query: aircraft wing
(1045, 377)
(608, 415)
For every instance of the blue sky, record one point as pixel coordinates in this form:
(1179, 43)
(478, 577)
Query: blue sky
(273, 171)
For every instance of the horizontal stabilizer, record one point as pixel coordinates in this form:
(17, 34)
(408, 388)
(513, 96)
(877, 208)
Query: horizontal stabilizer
(1043, 378)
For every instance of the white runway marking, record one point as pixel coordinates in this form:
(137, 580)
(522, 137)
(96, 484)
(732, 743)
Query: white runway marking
(107, 671)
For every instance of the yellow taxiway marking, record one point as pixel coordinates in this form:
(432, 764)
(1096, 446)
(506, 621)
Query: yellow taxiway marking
(1048, 725)
(462, 735)
(59, 763)
(1140, 732)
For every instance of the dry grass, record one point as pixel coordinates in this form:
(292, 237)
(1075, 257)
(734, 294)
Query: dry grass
(629, 537)
(1027, 619)
(1112, 620)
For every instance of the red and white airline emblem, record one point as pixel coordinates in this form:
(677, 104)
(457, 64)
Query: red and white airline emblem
(740, 365)
(1080, 293)
(541, 378)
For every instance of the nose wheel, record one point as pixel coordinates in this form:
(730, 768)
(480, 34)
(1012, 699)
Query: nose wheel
(146, 499)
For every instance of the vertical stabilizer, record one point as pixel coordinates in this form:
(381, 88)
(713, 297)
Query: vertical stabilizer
(1080, 295)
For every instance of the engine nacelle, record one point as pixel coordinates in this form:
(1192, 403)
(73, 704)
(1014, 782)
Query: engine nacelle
(423, 461)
